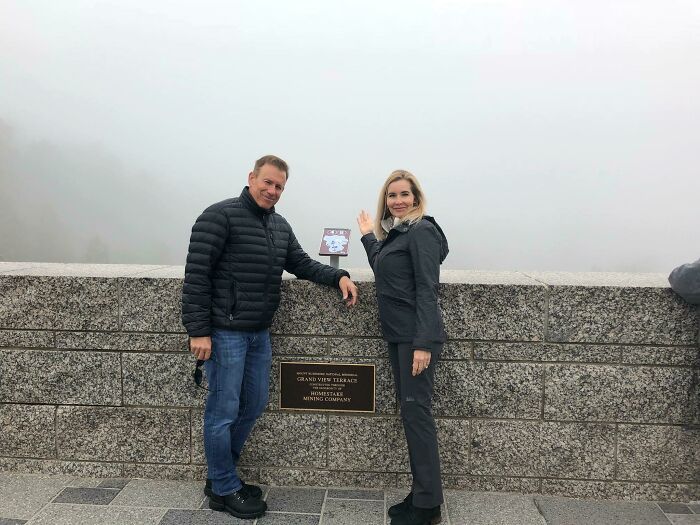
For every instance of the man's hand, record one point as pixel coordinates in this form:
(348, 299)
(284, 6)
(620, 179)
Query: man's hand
(201, 347)
(421, 360)
(349, 290)
(364, 221)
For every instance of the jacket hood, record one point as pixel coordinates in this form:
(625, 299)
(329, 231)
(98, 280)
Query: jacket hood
(444, 248)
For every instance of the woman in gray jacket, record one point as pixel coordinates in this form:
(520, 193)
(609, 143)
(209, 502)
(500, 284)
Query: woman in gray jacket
(405, 248)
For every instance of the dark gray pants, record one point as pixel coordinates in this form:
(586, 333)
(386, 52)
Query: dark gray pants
(415, 395)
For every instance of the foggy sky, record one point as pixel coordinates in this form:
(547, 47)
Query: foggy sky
(548, 135)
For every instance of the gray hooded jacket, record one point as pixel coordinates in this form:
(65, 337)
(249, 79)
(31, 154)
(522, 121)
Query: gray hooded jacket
(406, 268)
(685, 281)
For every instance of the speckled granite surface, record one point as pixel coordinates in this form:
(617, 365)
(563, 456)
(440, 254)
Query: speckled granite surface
(551, 383)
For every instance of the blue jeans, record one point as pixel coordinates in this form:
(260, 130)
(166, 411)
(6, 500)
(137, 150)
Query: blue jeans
(238, 375)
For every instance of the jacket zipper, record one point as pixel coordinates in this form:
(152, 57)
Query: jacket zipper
(270, 244)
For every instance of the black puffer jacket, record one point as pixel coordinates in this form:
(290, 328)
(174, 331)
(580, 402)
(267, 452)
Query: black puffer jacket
(234, 267)
(406, 268)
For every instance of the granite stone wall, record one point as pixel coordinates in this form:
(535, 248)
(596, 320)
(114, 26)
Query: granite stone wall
(570, 384)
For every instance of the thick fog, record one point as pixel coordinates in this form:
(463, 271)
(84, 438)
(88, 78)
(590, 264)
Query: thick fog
(548, 135)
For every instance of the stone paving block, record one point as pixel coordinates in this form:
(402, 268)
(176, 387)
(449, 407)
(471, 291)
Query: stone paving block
(47, 466)
(293, 499)
(621, 490)
(86, 495)
(466, 508)
(367, 494)
(28, 430)
(309, 308)
(453, 442)
(123, 434)
(151, 305)
(618, 393)
(560, 511)
(658, 453)
(114, 483)
(283, 518)
(326, 478)
(6, 521)
(480, 389)
(371, 443)
(124, 342)
(28, 302)
(286, 440)
(352, 512)
(87, 303)
(26, 339)
(85, 483)
(201, 517)
(620, 315)
(6, 266)
(160, 380)
(674, 508)
(21, 496)
(168, 494)
(503, 312)
(683, 519)
(64, 514)
(294, 345)
(547, 352)
(61, 377)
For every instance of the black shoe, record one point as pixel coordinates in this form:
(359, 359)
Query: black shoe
(401, 507)
(253, 490)
(418, 516)
(239, 504)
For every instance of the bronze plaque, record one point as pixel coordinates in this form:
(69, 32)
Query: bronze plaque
(327, 386)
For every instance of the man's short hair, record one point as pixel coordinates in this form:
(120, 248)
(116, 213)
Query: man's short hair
(272, 160)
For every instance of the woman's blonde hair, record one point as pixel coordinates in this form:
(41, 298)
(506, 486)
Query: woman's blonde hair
(412, 216)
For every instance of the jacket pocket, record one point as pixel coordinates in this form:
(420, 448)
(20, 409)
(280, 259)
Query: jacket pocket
(231, 301)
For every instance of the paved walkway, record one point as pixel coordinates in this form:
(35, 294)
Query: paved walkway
(67, 500)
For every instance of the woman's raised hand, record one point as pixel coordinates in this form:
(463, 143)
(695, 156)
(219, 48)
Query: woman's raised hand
(364, 221)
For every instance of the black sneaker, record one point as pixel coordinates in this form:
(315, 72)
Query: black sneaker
(253, 490)
(418, 516)
(400, 507)
(239, 504)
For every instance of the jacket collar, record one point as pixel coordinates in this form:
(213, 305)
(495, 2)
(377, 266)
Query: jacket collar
(249, 202)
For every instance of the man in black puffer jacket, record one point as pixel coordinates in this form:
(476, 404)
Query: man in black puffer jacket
(238, 250)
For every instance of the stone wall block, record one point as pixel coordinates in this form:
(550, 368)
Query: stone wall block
(309, 308)
(506, 448)
(479, 389)
(87, 303)
(367, 443)
(151, 305)
(123, 342)
(124, 434)
(26, 339)
(28, 430)
(283, 345)
(478, 311)
(160, 380)
(619, 393)
(61, 377)
(29, 302)
(287, 440)
(578, 450)
(197, 449)
(620, 315)
(658, 453)
(359, 347)
(453, 441)
(547, 352)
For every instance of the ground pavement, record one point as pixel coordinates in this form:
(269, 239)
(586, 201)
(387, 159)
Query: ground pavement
(67, 500)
